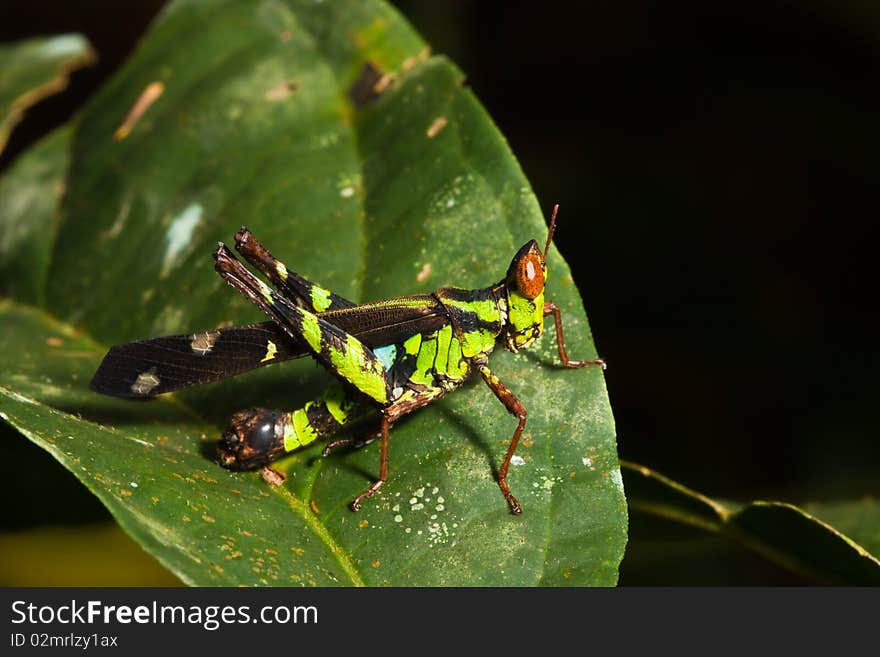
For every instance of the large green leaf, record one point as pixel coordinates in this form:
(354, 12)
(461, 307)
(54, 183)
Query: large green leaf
(828, 542)
(33, 69)
(399, 189)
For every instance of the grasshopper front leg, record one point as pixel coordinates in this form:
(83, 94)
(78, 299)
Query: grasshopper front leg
(551, 308)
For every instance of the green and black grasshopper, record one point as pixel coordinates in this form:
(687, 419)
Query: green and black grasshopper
(397, 355)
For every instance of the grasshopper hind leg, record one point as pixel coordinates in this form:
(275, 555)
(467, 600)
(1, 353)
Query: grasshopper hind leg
(255, 437)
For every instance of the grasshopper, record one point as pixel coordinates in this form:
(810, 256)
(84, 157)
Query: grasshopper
(396, 355)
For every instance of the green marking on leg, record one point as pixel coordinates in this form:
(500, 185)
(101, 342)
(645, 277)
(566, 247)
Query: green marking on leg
(350, 360)
(338, 404)
(311, 330)
(366, 373)
(321, 300)
(299, 431)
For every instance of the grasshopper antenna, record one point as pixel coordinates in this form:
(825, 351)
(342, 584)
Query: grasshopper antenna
(552, 228)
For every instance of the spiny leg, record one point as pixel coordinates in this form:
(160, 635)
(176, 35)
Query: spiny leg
(351, 443)
(390, 415)
(551, 308)
(383, 466)
(515, 407)
(301, 291)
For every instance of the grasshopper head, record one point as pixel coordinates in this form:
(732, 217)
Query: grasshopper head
(525, 297)
(525, 282)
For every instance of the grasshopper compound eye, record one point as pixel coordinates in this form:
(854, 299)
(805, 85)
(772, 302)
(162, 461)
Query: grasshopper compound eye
(530, 275)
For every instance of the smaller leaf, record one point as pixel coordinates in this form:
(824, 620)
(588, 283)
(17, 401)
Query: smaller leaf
(34, 69)
(30, 197)
(781, 532)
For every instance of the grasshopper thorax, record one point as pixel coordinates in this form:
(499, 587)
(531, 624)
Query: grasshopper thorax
(524, 286)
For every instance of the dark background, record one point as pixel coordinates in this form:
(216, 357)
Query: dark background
(715, 166)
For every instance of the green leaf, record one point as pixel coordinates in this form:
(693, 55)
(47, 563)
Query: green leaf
(819, 541)
(33, 69)
(30, 194)
(400, 190)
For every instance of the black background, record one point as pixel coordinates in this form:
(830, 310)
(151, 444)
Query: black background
(715, 163)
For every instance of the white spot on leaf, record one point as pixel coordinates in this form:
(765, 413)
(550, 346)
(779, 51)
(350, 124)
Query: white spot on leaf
(179, 235)
(67, 44)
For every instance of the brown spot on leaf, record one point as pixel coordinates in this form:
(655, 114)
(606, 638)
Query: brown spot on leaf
(436, 126)
(369, 85)
(410, 62)
(54, 342)
(376, 563)
(148, 96)
(314, 507)
(285, 36)
(281, 91)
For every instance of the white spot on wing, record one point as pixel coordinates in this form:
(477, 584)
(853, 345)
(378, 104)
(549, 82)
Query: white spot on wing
(145, 382)
(203, 343)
